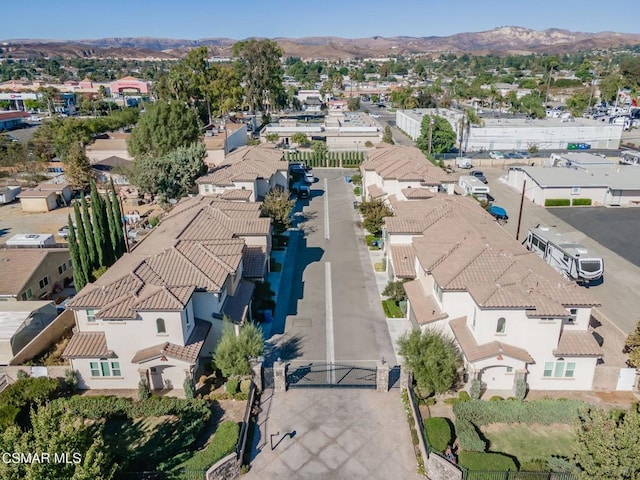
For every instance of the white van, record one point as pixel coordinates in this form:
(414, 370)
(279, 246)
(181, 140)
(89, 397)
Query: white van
(472, 186)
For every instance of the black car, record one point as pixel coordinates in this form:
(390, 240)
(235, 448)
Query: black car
(479, 175)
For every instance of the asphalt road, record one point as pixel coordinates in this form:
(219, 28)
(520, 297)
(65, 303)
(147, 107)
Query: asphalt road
(334, 312)
(619, 293)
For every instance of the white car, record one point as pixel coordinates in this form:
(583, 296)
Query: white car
(374, 115)
(496, 155)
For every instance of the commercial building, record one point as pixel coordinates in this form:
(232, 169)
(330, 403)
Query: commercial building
(12, 119)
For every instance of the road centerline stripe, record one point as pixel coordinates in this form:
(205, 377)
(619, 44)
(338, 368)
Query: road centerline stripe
(331, 353)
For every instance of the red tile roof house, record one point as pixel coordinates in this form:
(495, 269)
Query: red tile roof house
(510, 313)
(157, 312)
(404, 172)
(246, 174)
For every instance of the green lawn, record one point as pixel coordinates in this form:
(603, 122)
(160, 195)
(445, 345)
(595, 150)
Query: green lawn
(392, 310)
(530, 442)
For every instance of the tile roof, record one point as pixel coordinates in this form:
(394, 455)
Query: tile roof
(403, 259)
(186, 353)
(577, 344)
(464, 249)
(474, 352)
(397, 162)
(375, 191)
(236, 194)
(23, 263)
(88, 345)
(236, 307)
(424, 307)
(417, 193)
(246, 164)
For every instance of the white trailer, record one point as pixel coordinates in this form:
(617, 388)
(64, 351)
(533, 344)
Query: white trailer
(32, 240)
(470, 185)
(630, 157)
(9, 194)
(569, 258)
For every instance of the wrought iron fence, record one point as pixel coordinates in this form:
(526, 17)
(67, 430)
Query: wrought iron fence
(183, 475)
(513, 475)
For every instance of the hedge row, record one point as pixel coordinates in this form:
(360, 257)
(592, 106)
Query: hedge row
(328, 159)
(96, 408)
(468, 436)
(557, 202)
(487, 462)
(544, 411)
(25, 393)
(438, 432)
(224, 442)
(580, 201)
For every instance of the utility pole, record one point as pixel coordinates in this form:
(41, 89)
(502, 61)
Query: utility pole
(524, 186)
(431, 122)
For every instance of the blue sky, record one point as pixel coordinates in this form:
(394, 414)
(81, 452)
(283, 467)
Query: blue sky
(193, 19)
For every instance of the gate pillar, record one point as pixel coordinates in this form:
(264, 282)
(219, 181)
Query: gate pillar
(382, 376)
(279, 377)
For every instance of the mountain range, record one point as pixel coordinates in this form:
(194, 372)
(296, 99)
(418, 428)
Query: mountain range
(501, 40)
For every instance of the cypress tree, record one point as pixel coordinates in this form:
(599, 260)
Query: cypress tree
(79, 276)
(85, 261)
(117, 215)
(88, 231)
(100, 228)
(113, 238)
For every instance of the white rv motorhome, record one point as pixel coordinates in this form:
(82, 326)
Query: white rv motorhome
(470, 185)
(630, 157)
(569, 258)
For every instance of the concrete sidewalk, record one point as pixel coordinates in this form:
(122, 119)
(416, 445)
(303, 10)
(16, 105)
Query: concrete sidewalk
(332, 434)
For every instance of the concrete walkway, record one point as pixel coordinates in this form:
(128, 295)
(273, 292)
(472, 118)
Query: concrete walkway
(332, 434)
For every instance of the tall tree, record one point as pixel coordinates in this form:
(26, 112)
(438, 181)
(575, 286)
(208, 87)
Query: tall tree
(113, 234)
(387, 136)
(88, 230)
(434, 359)
(162, 128)
(443, 138)
(80, 278)
(76, 166)
(85, 261)
(117, 215)
(609, 444)
(277, 206)
(233, 353)
(262, 73)
(100, 228)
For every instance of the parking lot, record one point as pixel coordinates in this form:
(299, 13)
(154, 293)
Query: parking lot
(607, 232)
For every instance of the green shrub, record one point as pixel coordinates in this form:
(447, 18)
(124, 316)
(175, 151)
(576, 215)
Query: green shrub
(557, 202)
(476, 389)
(144, 392)
(224, 442)
(496, 398)
(580, 201)
(438, 432)
(231, 386)
(488, 462)
(241, 396)
(369, 239)
(189, 389)
(464, 396)
(544, 411)
(468, 436)
(245, 385)
(452, 400)
(520, 389)
(356, 191)
(24, 394)
(391, 310)
(154, 221)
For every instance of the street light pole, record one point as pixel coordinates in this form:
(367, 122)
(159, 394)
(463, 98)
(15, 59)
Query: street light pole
(431, 123)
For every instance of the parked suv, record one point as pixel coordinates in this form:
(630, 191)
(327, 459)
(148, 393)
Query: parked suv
(479, 175)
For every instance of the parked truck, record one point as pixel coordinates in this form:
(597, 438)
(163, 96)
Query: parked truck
(463, 163)
(301, 188)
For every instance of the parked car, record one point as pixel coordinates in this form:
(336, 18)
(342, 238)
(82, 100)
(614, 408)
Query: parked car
(479, 175)
(63, 232)
(498, 213)
(513, 156)
(462, 162)
(496, 155)
(308, 177)
(524, 155)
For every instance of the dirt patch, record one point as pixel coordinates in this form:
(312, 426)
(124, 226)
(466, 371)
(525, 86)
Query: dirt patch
(605, 400)
(233, 410)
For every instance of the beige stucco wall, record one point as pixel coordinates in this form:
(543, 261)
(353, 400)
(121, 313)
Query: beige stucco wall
(49, 267)
(39, 204)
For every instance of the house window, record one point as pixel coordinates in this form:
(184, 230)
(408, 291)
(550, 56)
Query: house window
(62, 268)
(438, 291)
(575, 190)
(509, 369)
(105, 368)
(502, 325)
(574, 316)
(160, 326)
(188, 320)
(559, 369)
(27, 294)
(44, 282)
(91, 315)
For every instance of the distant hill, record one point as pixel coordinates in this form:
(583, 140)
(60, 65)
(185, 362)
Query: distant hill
(501, 40)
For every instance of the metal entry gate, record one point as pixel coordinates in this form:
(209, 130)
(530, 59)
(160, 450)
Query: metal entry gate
(328, 375)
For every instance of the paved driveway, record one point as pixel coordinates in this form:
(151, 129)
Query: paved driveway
(333, 434)
(619, 294)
